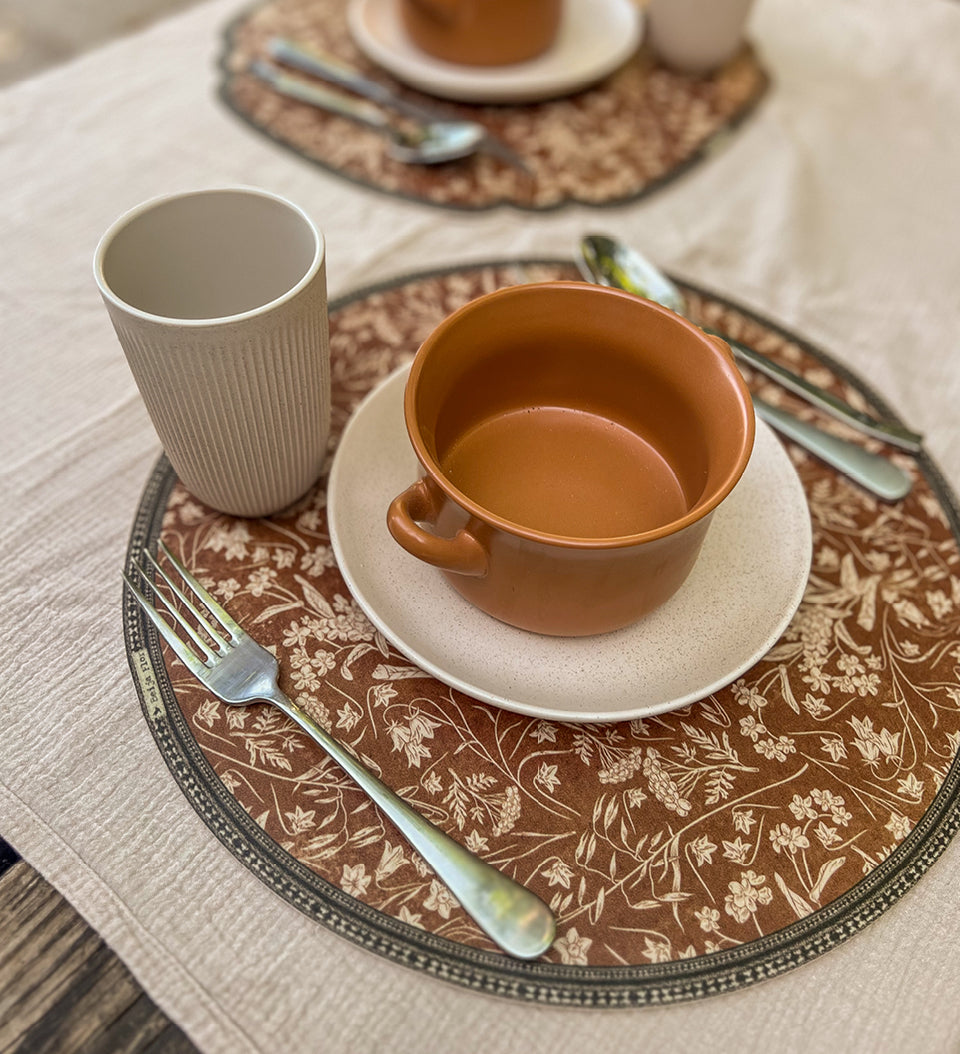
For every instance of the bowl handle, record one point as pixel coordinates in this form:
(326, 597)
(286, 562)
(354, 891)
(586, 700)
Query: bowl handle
(462, 553)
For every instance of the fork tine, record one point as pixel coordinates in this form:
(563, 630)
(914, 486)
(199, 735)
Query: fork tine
(186, 656)
(201, 648)
(221, 644)
(212, 606)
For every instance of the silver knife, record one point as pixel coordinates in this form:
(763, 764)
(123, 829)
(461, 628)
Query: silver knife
(889, 431)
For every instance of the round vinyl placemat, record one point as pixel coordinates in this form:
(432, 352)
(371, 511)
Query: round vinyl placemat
(685, 854)
(609, 144)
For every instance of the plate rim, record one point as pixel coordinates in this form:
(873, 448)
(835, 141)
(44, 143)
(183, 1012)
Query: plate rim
(495, 84)
(528, 709)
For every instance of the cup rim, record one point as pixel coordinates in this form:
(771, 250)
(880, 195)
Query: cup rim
(699, 511)
(122, 221)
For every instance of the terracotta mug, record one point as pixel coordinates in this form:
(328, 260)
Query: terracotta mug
(574, 441)
(482, 32)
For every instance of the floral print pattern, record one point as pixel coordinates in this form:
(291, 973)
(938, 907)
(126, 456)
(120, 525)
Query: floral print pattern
(610, 143)
(653, 840)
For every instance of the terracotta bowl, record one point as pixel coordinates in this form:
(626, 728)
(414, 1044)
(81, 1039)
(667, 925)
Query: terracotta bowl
(575, 441)
(489, 33)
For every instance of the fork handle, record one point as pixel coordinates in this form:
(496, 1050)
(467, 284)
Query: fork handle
(516, 919)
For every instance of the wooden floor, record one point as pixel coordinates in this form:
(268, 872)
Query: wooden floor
(61, 989)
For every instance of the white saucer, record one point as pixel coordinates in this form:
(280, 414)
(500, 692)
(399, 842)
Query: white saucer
(741, 594)
(595, 37)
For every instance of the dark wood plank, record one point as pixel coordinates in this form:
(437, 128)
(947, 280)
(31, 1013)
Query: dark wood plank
(61, 989)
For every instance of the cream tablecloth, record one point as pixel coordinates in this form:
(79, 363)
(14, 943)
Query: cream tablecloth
(833, 210)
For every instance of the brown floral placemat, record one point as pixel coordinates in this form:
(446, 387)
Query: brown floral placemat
(683, 854)
(609, 144)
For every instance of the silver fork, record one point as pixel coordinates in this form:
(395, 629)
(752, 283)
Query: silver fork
(232, 665)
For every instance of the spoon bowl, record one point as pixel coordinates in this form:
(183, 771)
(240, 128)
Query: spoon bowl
(434, 143)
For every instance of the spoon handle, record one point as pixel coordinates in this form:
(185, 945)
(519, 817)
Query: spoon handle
(889, 431)
(872, 472)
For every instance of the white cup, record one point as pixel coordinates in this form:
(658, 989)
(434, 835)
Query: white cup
(696, 36)
(219, 300)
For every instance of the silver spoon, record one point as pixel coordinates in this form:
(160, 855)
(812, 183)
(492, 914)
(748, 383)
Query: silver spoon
(426, 144)
(331, 69)
(610, 262)
(607, 262)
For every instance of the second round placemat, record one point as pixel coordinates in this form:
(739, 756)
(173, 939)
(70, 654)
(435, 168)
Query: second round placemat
(614, 142)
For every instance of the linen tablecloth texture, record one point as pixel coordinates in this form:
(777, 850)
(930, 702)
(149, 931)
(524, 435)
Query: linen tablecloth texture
(832, 211)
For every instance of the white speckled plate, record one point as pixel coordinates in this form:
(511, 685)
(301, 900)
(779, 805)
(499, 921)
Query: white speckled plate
(741, 594)
(595, 37)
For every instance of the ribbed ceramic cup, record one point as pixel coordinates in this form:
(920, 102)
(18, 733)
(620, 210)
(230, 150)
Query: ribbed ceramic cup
(219, 300)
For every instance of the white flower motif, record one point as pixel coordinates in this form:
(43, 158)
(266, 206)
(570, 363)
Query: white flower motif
(573, 948)
(559, 873)
(260, 580)
(802, 808)
(391, 858)
(283, 558)
(743, 820)
(657, 951)
(355, 879)
(737, 851)
(349, 716)
(440, 899)
(547, 777)
(406, 915)
(827, 835)
(834, 747)
(899, 826)
(748, 696)
(475, 842)
(544, 730)
(776, 749)
(408, 738)
(790, 838)
(709, 919)
(703, 849)
(301, 820)
(911, 787)
(209, 712)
